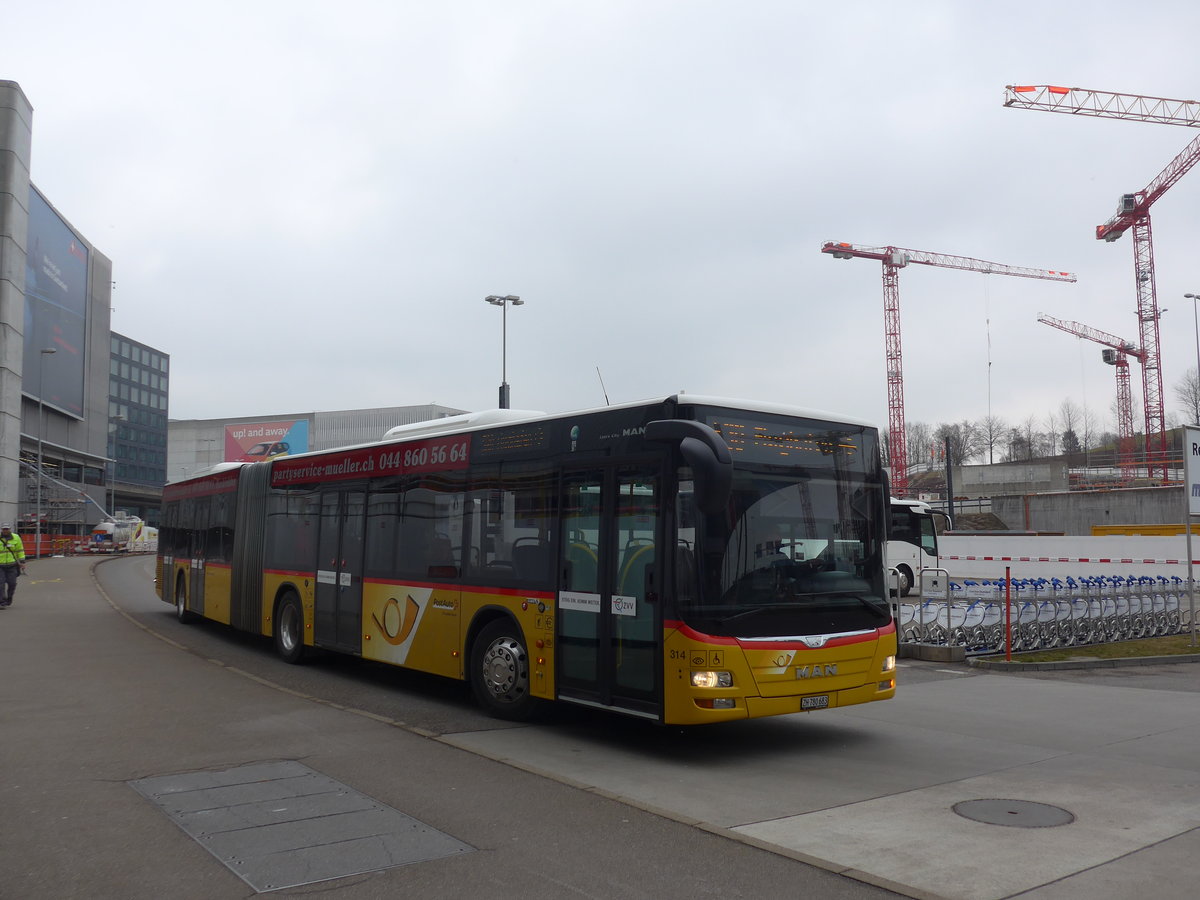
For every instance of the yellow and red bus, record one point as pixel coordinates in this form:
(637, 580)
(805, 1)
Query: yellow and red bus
(686, 560)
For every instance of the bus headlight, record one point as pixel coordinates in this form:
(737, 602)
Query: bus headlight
(889, 664)
(712, 679)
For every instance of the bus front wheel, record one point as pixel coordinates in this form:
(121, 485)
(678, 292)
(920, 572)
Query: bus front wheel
(289, 630)
(181, 610)
(906, 580)
(500, 671)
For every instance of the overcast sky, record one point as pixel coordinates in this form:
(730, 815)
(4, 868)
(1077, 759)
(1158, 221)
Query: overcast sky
(306, 203)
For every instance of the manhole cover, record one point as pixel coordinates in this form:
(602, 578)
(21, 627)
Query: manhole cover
(1015, 813)
(282, 825)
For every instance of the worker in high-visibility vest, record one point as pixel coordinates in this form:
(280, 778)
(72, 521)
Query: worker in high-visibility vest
(12, 564)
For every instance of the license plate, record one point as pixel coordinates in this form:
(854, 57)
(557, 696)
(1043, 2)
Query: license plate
(821, 702)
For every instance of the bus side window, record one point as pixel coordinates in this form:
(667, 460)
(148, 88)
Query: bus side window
(903, 527)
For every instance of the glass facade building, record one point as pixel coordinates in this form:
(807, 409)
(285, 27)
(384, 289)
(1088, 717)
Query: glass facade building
(138, 382)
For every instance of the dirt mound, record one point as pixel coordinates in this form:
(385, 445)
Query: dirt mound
(978, 522)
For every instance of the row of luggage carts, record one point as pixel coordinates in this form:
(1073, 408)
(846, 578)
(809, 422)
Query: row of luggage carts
(1048, 612)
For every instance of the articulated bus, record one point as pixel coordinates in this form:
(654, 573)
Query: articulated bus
(687, 560)
(912, 540)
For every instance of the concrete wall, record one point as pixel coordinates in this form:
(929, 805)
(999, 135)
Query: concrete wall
(1009, 478)
(1075, 512)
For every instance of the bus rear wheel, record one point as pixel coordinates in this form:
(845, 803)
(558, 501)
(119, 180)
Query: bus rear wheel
(289, 630)
(499, 672)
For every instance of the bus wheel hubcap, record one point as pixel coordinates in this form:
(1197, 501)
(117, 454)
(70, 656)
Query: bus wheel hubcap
(287, 628)
(504, 669)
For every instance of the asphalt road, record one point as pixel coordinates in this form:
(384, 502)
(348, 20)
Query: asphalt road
(103, 691)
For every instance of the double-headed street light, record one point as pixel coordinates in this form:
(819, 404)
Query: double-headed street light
(37, 539)
(503, 303)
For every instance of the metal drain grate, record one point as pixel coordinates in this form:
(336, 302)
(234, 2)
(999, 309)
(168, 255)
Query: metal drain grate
(1014, 813)
(281, 824)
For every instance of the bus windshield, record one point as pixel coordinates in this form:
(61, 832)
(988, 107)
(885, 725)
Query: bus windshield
(798, 551)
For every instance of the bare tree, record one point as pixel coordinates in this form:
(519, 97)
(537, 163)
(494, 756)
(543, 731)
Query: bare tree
(1070, 416)
(1034, 439)
(919, 441)
(993, 433)
(1086, 430)
(1018, 447)
(1187, 392)
(962, 440)
(1051, 433)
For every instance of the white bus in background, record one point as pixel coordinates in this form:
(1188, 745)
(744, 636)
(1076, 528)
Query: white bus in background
(912, 540)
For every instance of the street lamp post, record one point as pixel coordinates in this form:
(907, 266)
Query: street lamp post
(503, 303)
(114, 428)
(37, 512)
(1195, 298)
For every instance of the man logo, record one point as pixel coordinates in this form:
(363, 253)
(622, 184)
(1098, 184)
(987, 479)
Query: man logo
(1196, 490)
(816, 671)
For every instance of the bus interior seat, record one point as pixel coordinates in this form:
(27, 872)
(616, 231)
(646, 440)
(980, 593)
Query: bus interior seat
(442, 562)
(633, 570)
(582, 567)
(531, 561)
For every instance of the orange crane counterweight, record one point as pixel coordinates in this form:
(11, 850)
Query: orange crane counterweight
(894, 259)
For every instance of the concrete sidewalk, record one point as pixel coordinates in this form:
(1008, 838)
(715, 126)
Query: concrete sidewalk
(95, 712)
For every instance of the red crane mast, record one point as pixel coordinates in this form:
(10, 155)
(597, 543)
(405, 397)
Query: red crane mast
(894, 259)
(1118, 356)
(1133, 213)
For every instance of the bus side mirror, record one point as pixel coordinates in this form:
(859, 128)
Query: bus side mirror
(705, 452)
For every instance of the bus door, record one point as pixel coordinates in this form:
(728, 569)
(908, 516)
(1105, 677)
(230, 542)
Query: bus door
(196, 554)
(609, 618)
(337, 617)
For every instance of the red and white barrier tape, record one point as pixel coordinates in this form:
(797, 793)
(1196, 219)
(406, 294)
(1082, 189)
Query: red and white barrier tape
(1070, 559)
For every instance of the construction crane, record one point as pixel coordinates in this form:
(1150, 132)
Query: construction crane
(1133, 213)
(1116, 353)
(1104, 104)
(894, 259)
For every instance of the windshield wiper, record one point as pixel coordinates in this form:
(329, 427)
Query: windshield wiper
(875, 607)
(765, 607)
